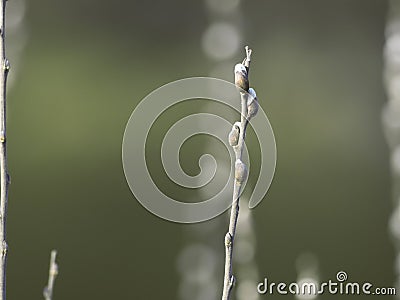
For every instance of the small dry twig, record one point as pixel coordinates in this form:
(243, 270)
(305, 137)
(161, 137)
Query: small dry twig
(53, 271)
(4, 177)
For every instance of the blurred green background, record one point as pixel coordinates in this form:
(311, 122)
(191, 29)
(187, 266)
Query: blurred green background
(317, 67)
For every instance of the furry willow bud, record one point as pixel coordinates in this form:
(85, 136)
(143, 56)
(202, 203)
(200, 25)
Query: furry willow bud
(240, 171)
(252, 104)
(234, 134)
(241, 77)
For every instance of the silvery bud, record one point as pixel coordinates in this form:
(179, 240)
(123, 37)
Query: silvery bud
(234, 135)
(241, 77)
(240, 171)
(252, 104)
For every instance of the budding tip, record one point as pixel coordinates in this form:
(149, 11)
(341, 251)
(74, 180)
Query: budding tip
(240, 68)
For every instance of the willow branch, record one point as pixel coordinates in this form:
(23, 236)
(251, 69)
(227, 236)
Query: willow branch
(53, 271)
(249, 107)
(4, 178)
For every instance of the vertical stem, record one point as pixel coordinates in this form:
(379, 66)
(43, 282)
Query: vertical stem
(230, 235)
(4, 178)
(53, 271)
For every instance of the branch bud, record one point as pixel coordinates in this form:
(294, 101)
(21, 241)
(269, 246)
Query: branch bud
(252, 104)
(240, 171)
(241, 77)
(228, 239)
(234, 135)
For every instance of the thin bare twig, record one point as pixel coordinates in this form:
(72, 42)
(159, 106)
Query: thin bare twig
(4, 178)
(249, 108)
(53, 271)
